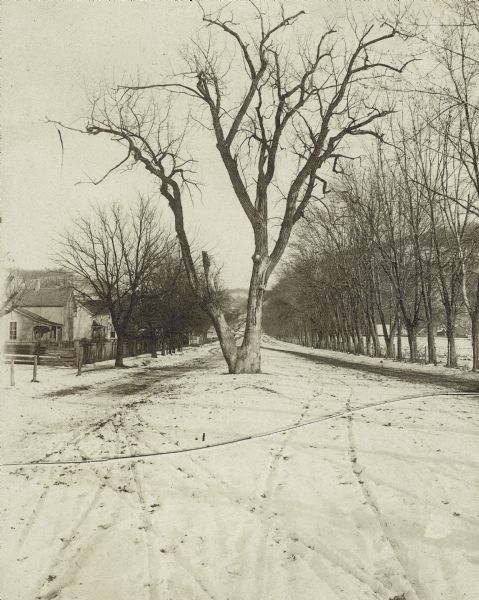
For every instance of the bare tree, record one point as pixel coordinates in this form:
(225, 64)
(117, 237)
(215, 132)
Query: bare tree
(168, 309)
(454, 46)
(287, 115)
(14, 287)
(113, 253)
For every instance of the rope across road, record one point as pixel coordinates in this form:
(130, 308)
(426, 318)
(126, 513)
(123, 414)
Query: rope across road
(254, 436)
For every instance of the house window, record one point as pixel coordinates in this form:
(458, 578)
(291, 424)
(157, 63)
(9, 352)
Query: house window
(13, 330)
(112, 334)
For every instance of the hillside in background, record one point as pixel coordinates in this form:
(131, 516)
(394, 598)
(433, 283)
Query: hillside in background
(239, 299)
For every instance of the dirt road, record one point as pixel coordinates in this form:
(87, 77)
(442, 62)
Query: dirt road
(378, 499)
(388, 369)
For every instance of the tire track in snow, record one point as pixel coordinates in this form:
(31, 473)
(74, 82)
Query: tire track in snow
(185, 564)
(338, 560)
(219, 486)
(267, 514)
(151, 558)
(90, 429)
(35, 512)
(152, 562)
(93, 427)
(399, 554)
(46, 488)
(149, 534)
(68, 543)
(59, 583)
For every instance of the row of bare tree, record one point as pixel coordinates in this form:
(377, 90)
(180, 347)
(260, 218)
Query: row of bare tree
(395, 249)
(131, 265)
(397, 246)
(284, 111)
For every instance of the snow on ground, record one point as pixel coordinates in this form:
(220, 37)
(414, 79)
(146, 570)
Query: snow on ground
(461, 375)
(463, 349)
(379, 501)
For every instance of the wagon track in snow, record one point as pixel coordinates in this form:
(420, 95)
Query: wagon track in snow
(266, 513)
(152, 583)
(51, 584)
(152, 539)
(65, 563)
(410, 376)
(358, 470)
(246, 438)
(31, 520)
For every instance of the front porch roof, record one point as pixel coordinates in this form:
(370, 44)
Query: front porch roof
(36, 318)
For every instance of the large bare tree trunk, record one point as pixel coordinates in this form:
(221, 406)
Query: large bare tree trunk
(375, 337)
(154, 346)
(249, 354)
(119, 350)
(388, 337)
(247, 357)
(451, 343)
(431, 336)
(225, 337)
(431, 343)
(412, 340)
(475, 343)
(399, 339)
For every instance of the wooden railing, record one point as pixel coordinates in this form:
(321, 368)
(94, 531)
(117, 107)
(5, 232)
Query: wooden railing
(93, 351)
(22, 359)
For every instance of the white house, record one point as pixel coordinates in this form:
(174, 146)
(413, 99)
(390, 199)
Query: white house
(54, 314)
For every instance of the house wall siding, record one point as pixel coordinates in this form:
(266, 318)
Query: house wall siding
(24, 327)
(76, 321)
(82, 325)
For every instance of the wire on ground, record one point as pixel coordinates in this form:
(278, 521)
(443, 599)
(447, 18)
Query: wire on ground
(246, 438)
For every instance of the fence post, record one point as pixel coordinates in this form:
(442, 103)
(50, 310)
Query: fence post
(12, 373)
(35, 365)
(79, 358)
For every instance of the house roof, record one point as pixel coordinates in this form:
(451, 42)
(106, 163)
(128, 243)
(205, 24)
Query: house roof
(36, 318)
(54, 296)
(95, 307)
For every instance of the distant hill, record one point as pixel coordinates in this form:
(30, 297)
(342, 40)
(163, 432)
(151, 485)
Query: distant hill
(47, 278)
(239, 299)
(237, 304)
(239, 292)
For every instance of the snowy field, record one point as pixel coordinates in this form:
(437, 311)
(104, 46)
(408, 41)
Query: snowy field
(364, 486)
(463, 349)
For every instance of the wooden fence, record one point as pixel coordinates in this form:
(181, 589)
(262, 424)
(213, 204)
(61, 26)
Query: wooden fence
(38, 347)
(106, 349)
(93, 351)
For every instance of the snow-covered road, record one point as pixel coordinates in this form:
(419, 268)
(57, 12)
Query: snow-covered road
(378, 502)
